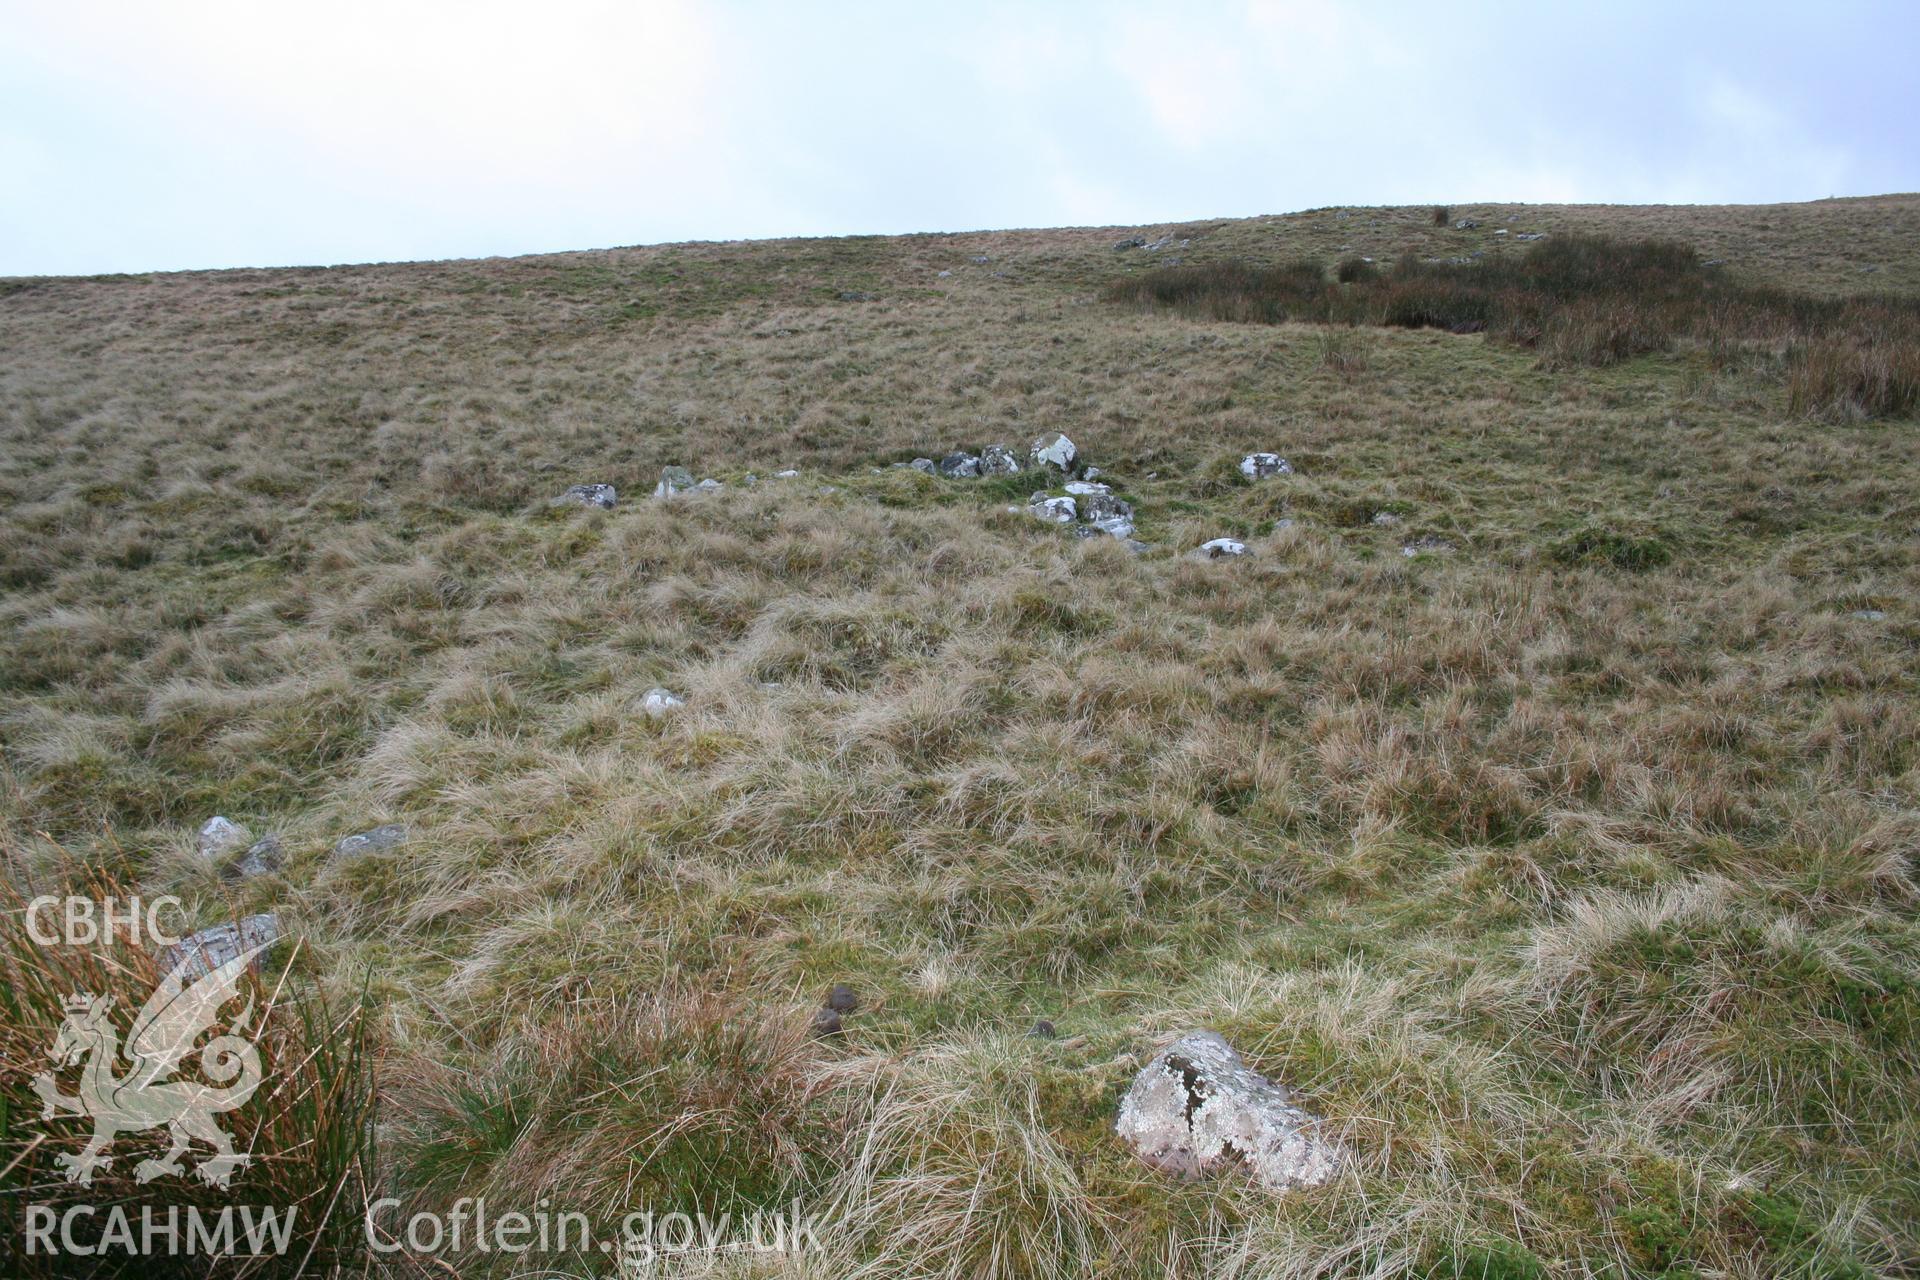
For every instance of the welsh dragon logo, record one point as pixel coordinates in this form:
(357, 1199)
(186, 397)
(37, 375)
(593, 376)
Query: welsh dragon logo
(144, 1097)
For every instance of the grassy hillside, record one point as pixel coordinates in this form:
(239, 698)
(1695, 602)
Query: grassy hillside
(1566, 868)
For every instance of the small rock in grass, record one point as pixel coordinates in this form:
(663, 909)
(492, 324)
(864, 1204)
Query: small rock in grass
(826, 1023)
(659, 702)
(219, 835)
(1092, 473)
(842, 999)
(1385, 518)
(1042, 1030)
(673, 480)
(602, 496)
(998, 460)
(1220, 549)
(1054, 450)
(1428, 545)
(1058, 510)
(785, 475)
(959, 466)
(923, 465)
(708, 486)
(207, 950)
(1870, 615)
(1197, 1108)
(377, 840)
(1258, 466)
(262, 858)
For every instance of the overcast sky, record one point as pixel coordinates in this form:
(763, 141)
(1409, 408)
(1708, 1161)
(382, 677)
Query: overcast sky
(208, 133)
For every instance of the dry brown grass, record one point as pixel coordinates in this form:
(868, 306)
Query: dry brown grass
(1568, 871)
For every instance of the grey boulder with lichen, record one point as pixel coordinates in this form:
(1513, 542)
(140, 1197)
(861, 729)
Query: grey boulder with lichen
(1197, 1108)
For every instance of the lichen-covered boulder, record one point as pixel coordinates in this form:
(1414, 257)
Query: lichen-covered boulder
(220, 835)
(998, 460)
(210, 948)
(959, 466)
(377, 840)
(602, 496)
(1198, 1108)
(1258, 466)
(923, 465)
(1220, 549)
(1054, 450)
(673, 480)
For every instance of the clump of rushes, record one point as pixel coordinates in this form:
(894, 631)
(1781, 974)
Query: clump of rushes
(1582, 300)
(308, 1127)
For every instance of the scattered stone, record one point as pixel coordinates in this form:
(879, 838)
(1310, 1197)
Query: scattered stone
(1531, 235)
(924, 465)
(1501, 231)
(842, 999)
(979, 259)
(1096, 507)
(855, 295)
(1427, 544)
(1219, 549)
(377, 840)
(1131, 242)
(220, 835)
(1087, 488)
(262, 858)
(998, 460)
(673, 480)
(1197, 1108)
(1465, 224)
(785, 475)
(1058, 510)
(659, 702)
(1258, 466)
(1870, 615)
(1042, 1030)
(210, 948)
(959, 466)
(1091, 473)
(1385, 518)
(602, 496)
(943, 275)
(1054, 450)
(708, 486)
(1117, 526)
(826, 1023)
